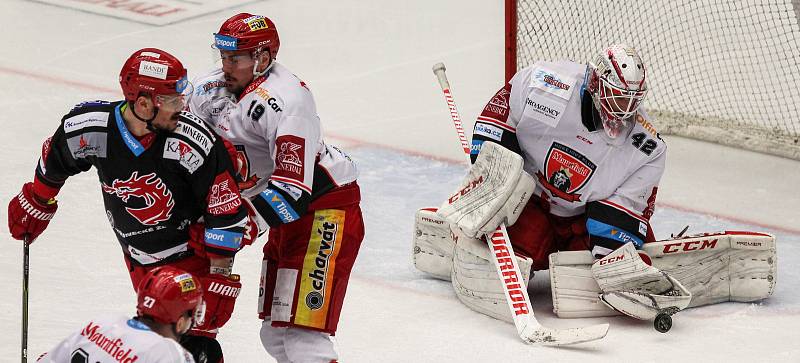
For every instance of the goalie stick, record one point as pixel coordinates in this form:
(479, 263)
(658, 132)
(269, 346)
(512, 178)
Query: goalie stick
(515, 289)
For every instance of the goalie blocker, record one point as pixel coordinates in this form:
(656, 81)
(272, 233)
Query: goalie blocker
(713, 267)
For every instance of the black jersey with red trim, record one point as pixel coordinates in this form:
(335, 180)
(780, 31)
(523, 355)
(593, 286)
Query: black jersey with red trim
(151, 193)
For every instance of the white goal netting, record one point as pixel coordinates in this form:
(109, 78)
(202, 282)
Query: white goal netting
(719, 70)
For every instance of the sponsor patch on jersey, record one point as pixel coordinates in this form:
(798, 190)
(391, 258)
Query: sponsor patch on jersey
(546, 110)
(88, 144)
(219, 238)
(498, 105)
(566, 172)
(553, 83)
(292, 190)
(290, 152)
(475, 148)
(224, 195)
(492, 132)
(185, 154)
(647, 125)
(194, 133)
(146, 197)
(89, 119)
(643, 228)
(318, 268)
(155, 70)
(606, 231)
(284, 211)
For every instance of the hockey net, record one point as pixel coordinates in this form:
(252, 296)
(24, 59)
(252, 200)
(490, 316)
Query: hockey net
(719, 70)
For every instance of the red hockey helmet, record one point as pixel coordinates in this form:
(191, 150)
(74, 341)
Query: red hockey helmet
(152, 71)
(247, 31)
(166, 293)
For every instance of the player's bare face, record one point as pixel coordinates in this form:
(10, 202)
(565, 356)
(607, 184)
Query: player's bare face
(237, 65)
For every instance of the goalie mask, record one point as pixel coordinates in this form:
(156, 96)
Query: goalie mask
(617, 84)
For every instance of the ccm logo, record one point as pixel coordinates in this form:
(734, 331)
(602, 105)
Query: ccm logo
(690, 246)
(612, 260)
(466, 189)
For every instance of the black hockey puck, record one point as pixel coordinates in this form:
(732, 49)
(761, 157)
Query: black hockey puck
(663, 322)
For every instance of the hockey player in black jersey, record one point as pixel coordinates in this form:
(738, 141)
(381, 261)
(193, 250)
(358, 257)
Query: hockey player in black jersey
(166, 181)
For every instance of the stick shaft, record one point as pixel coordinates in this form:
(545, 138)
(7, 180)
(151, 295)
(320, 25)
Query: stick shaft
(25, 276)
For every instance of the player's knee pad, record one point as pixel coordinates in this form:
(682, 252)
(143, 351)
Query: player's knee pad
(433, 244)
(272, 339)
(304, 345)
(475, 279)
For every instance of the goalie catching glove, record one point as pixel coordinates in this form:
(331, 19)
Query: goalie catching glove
(636, 289)
(495, 191)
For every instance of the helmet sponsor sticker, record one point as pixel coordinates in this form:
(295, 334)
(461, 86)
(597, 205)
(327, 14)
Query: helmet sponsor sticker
(256, 22)
(224, 42)
(155, 70)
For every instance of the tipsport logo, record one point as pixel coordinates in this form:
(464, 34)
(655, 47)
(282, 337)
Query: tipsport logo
(224, 42)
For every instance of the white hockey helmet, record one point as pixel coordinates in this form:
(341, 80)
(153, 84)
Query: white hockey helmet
(617, 83)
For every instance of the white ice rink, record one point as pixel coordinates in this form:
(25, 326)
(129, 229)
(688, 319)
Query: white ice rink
(368, 64)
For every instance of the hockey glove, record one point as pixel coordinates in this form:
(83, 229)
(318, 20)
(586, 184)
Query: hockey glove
(27, 215)
(219, 293)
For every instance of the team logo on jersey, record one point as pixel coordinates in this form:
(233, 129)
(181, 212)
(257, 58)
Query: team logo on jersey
(223, 198)
(242, 164)
(567, 171)
(289, 161)
(149, 190)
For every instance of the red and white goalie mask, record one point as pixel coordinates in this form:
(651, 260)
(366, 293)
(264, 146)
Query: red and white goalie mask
(618, 85)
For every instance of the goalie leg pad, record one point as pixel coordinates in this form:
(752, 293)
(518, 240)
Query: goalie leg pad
(495, 190)
(713, 267)
(475, 280)
(433, 244)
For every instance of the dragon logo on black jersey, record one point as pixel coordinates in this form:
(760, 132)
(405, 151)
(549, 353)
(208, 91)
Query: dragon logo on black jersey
(565, 172)
(151, 191)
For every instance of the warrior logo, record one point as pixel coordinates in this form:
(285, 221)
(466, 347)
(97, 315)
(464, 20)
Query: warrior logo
(289, 161)
(242, 166)
(567, 172)
(157, 198)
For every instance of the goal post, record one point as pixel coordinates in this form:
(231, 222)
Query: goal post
(719, 70)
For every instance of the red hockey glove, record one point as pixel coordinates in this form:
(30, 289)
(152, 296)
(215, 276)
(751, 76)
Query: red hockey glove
(28, 216)
(219, 293)
(197, 240)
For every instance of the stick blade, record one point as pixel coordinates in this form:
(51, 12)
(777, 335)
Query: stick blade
(547, 336)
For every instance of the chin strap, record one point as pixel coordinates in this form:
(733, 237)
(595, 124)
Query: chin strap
(256, 73)
(149, 121)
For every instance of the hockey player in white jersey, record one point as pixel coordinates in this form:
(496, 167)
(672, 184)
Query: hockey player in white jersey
(592, 162)
(304, 189)
(169, 299)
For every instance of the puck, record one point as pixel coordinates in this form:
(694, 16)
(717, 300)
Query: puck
(663, 322)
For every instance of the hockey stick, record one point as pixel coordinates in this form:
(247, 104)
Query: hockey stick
(515, 288)
(25, 274)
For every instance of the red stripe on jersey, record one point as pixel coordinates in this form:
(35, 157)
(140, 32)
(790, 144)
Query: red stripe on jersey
(628, 212)
(496, 122)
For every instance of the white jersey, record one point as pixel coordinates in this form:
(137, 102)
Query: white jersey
(544, 114)
(275, 126)
(117, 340)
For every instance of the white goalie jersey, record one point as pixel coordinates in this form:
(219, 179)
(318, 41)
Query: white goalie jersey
(278, 138)
(544, 114)
(114, 340)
